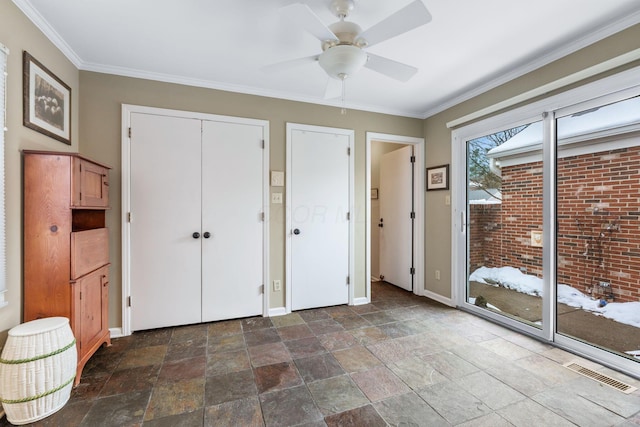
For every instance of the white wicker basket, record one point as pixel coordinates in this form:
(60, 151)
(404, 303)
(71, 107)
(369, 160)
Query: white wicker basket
(37, 369)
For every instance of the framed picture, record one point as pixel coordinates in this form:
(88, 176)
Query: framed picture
(438, 178)
(46, 101)
(374, 193)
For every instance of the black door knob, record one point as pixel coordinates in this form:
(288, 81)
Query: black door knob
(206, 235)
(296, 231)
(196, 235)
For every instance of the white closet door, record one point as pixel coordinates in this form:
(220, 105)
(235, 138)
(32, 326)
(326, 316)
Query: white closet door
(232, 206)
(396, 202)
(165, 208)
(319, 207)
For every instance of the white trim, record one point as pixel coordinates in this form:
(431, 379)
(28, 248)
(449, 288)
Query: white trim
(116, 333)
(544, 89)
(439, 298)
(418, 200)
(4, 49)
(350, 133)
(127, 110)
(361, 301)
(277, 311)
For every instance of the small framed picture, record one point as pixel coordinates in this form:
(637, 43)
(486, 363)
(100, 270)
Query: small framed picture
(438, 178)
(46, 101)
(374, 193)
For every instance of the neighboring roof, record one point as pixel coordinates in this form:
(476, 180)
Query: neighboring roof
(607, 121)
(482, 197)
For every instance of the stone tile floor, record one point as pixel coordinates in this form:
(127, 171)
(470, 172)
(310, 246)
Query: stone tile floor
(400, 361)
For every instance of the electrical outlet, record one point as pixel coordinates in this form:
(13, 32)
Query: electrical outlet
(276, 198)
(437, 274)
(277, 285)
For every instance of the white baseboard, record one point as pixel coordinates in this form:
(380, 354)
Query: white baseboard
(438, 297)
(116, 332)
(361, 301)
(277, 311)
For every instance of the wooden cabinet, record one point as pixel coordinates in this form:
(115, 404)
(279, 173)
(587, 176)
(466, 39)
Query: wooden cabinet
(66, 245)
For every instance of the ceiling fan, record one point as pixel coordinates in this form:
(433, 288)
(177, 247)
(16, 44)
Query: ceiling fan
(343, 43)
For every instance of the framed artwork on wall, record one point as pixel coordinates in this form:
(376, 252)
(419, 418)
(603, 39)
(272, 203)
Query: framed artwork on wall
(438, 178)
(46, 101)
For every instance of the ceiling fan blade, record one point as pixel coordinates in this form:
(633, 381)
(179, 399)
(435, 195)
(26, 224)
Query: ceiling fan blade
(334, 88)
(304, 17)
(395, 70)
(287, 65)
(411, 16)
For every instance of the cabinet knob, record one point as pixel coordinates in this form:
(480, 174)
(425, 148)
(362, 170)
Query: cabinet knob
(53, 228)
(296, 231)
(196, 235)
(206, 235)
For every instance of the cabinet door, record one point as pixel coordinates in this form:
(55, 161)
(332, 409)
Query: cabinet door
(91, 309)
(90, 184)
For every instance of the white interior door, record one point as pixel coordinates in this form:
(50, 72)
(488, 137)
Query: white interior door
(165, 208)
(319, 204)
(396, 204)
(232, 205)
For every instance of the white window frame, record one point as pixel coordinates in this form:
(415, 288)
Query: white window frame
(4, 52)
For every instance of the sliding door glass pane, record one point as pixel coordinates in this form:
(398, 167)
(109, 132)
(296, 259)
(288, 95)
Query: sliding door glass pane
(598, 235)
(504, 208)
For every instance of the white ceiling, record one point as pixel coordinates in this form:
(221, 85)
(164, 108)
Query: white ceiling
(470, 46)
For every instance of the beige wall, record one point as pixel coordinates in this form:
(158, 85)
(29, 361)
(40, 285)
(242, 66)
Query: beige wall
(438, 142)
(18, 34)
(100, 105)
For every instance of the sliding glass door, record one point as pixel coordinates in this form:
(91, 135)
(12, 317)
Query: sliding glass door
(546, 218)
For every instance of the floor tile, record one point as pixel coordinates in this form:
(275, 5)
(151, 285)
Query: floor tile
(450, 364)
(295, 332)
(364, 308)
(319, 367)
(228, 387)
(552, 372)
(379, 318)
(133, 379)
(490, 420)
(187, 419)
(369, 335)
(326, 326)
(184, 369)
(352, 321)
(479, 356)
(289, 407)
(151, 338)
(71, 415)
(358, 417)
(528, 413)
(314, 315)
(90, 387)
(189, 333)
(416, 373)
(225, 363)
(277, 377)
(222, 344)
(339, 311)
(305, 347)
(454, 403)
(187, 349)
(227, 327)
(243, 412)
(337, 340)
(493, 393)
(118, 410)
(613, 400)
(355, 359)
(144, 356)
(409, 410)
(506, 349)
(390, 351)
(175, 397)
(337, 394)
(287, 320)
(256, 323)
(261, 336)
(268, 354)
(379, 383)
(520, 379)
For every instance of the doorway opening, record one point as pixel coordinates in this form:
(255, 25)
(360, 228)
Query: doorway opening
(395, 239)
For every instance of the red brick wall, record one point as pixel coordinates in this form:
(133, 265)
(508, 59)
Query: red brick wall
(595, 192)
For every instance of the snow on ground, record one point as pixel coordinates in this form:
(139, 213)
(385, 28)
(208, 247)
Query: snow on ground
(512, 278)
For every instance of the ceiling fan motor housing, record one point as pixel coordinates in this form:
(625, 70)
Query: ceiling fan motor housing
(342, 61)
(342, 8)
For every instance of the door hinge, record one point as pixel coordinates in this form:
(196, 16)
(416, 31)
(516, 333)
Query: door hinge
(412, 271)
(129, 132)
(348, 216)
(81, 195)
(128, 216)
(348, 151)
(348, 280)
(262, 145)
(80, 295)
(413, 159)
(129, 301)
(412, 215)
(262, 289)
(262, 216)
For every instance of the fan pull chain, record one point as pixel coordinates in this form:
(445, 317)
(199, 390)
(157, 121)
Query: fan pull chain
(343, 111)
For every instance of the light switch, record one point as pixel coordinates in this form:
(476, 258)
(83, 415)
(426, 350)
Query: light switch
(276, 198)
(277, 179)
(447, 200)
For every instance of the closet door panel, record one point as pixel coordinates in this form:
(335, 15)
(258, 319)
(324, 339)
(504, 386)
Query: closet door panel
(165, 214)
(232, 257)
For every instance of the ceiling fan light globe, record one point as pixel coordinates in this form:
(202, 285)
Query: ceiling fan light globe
(342, 61)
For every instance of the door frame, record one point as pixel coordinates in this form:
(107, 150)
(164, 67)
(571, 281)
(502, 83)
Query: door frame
(127, 110)
(418, 201)
(288, 263)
